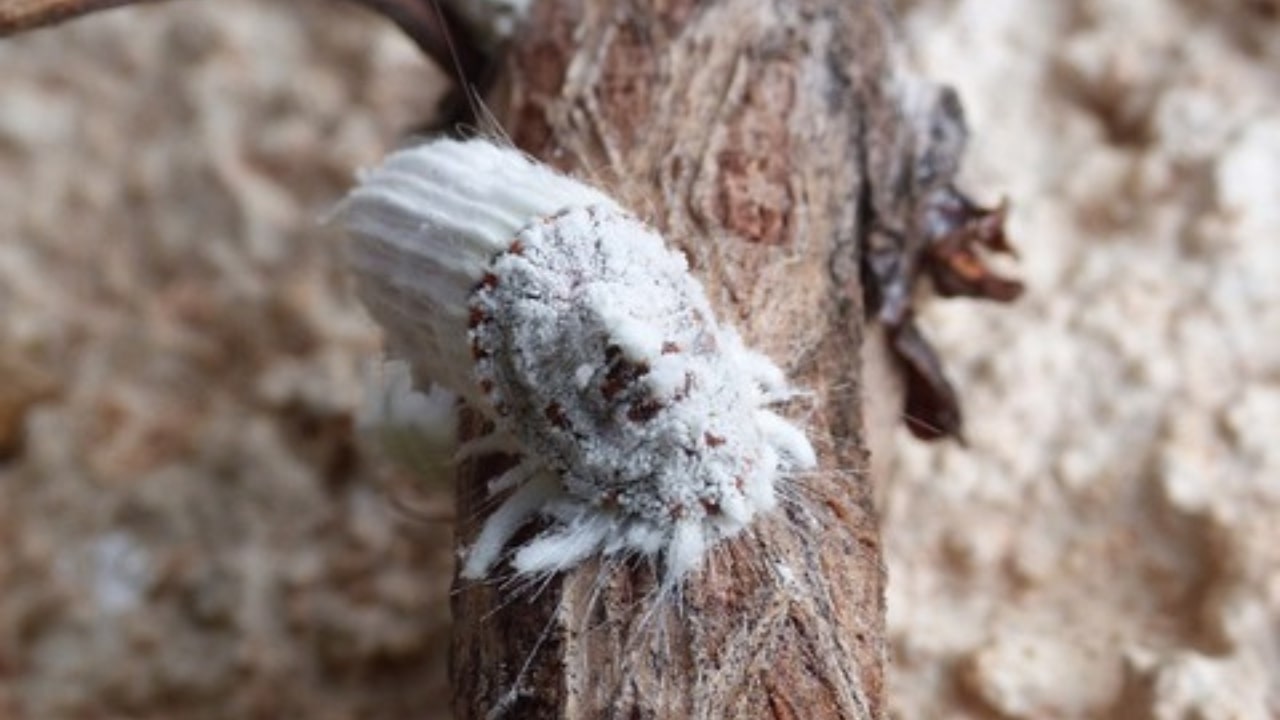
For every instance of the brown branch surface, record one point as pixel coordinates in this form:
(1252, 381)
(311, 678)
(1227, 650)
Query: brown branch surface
(19, 15)
(430, 26)
(762, 138)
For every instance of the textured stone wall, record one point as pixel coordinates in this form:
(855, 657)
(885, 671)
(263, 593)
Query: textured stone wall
(1107, 547)
(189, 529)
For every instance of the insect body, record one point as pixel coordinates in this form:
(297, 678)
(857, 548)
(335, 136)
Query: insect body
(642, 424)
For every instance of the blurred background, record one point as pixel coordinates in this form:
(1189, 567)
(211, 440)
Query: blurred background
(188, 528)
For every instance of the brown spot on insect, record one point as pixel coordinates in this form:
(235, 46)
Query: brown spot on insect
(706, 342)
(516, 247)
(676, 511)
(685, 388)
(644, 410)
(555, 414)
(477, 351)
(475, 317)
(711, 507)
(670, 348)
(486, 385)
(622, 373)
(712, 440)
(488, 282)
(611, 387)
(556, 216)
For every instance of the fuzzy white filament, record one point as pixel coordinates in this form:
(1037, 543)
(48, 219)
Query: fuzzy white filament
(641, 423)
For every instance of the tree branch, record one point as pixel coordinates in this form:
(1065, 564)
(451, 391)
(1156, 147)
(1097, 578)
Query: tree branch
(763, 138)
(20, 15)
(432, 27)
